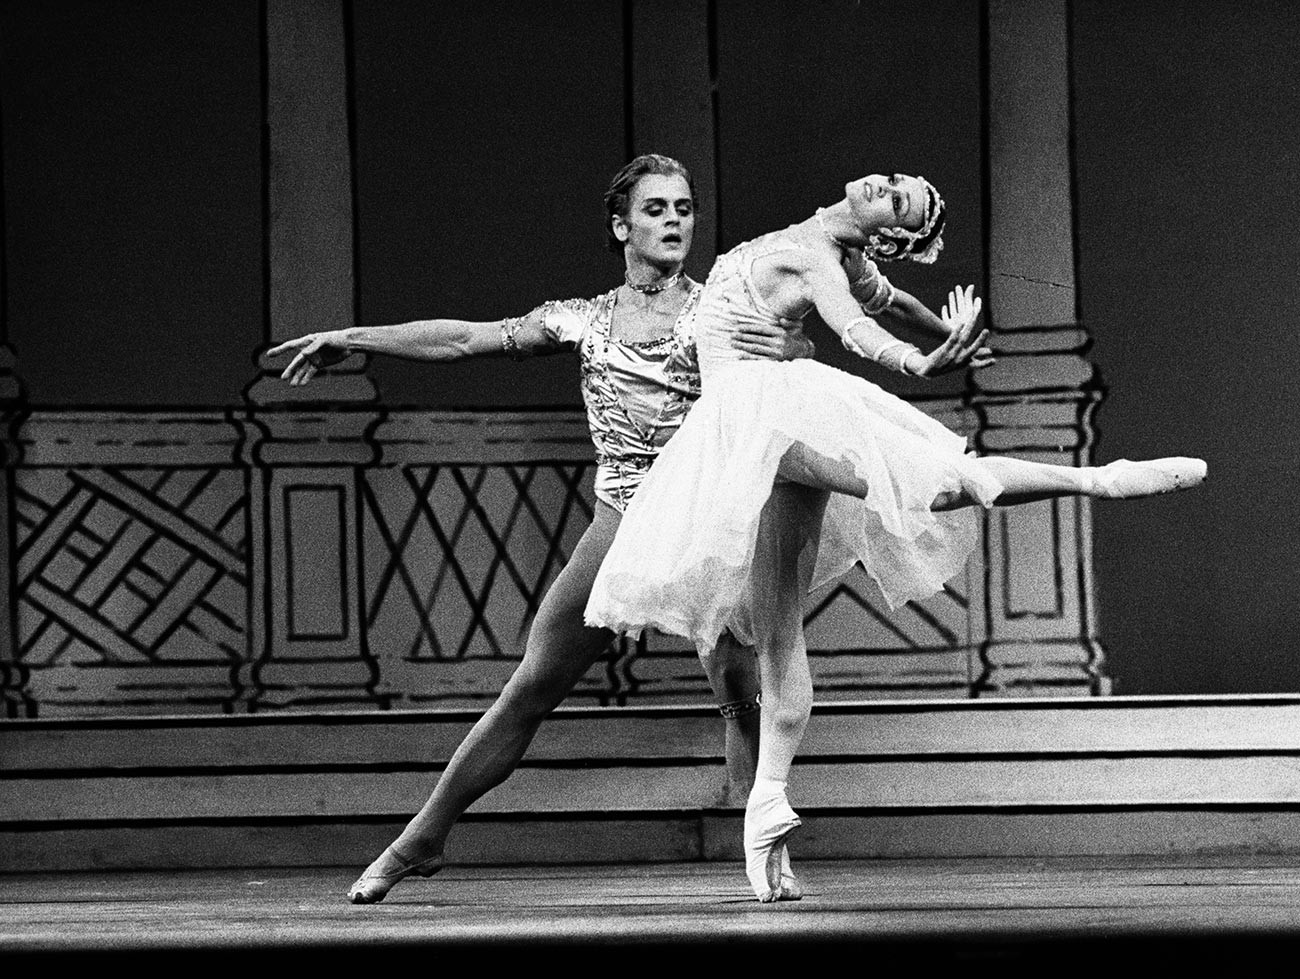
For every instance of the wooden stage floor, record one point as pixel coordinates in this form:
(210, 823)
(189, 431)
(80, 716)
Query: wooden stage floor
(1099, 911)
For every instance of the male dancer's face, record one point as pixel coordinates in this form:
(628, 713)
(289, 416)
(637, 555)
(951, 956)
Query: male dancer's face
(877, 201)
(660, 220)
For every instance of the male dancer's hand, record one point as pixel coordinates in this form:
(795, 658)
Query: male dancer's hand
(313, 351)
(762, 341)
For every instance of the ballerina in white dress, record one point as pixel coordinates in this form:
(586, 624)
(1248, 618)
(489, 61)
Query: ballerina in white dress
(635, 349)
(785, 475)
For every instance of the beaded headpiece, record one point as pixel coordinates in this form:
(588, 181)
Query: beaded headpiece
(896, 244)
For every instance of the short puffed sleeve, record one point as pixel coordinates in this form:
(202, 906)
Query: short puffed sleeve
(871, 289)
(551, 327)
(566, 321)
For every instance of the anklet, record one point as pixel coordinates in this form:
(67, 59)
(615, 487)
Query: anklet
(738, 708)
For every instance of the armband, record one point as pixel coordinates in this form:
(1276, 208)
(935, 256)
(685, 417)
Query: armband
(739, 708)
(852, 345)
(509, 327)
(894, 356)
(873, 291)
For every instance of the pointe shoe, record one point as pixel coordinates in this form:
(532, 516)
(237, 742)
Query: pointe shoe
(769, 821)
(1126, 480)
(373, 886)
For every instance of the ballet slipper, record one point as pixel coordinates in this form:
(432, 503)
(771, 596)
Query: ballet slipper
(373, 885)
(769, 821)
(1126, 480)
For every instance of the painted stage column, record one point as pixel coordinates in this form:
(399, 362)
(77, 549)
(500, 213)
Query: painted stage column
(1037, 401)
(306, 446)
(13, 404)
(672, 90)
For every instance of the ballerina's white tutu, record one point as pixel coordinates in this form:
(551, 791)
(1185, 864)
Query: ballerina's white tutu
(682, 560)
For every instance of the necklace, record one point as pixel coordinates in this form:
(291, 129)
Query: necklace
(650, 288)
(821, 223)
(847, 250)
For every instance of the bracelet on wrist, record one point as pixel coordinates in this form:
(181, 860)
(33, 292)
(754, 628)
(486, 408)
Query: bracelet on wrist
(894, 356)
(508, 342)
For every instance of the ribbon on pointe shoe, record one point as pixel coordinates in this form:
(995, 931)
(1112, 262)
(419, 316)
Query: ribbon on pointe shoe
(791, 889)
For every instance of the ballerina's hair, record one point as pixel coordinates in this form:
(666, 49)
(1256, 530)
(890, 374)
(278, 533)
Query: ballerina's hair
(618, 199)
(897, 244)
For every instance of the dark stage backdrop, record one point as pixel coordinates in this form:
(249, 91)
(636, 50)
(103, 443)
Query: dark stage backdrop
(487, 134)
(133, 199)
(811, 95)
(1187, 162)
(484, 135)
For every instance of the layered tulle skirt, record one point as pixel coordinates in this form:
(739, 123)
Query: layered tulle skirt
(683, 559)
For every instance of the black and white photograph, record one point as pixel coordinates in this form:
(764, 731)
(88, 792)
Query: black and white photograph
(679, 483)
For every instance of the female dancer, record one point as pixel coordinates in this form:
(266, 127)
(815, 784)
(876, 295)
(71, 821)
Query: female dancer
(639, 379)
(785, 475)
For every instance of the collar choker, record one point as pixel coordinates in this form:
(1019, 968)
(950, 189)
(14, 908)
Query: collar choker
(651, 288)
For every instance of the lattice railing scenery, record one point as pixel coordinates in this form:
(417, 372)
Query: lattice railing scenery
(457, 560)
(132, 585)
(362, 559)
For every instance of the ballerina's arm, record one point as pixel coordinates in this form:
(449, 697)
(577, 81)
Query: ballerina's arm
(878, 296)
(826, 286)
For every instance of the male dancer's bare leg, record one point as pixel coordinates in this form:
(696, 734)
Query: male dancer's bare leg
(732, 670)
(559, 651)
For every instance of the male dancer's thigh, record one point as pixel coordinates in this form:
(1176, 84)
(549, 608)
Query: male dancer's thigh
(782, 571)
(561, 647)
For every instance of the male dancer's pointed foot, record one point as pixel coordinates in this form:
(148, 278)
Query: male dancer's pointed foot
(1126, 480)
(389, 868)
(769, 821)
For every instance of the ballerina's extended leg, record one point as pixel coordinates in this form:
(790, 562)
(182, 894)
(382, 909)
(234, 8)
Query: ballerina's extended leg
(1023, 481)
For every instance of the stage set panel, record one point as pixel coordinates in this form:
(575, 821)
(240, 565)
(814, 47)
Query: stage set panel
(320, 548)
(367, 559)
(254, 632)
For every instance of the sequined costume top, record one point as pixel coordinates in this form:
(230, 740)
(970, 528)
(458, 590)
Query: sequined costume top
(636, 394)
